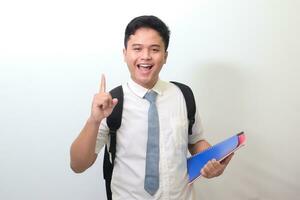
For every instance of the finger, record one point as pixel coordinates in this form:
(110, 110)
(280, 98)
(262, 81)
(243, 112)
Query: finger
(114, 102)
(205, 172)
(227, 160)
(210, 165)
(110, 101)
(212, 169)
(104, 105)
(216, 164)
(102, 84)
(218, 168)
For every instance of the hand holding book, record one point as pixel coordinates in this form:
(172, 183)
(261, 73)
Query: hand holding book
(213, 157)
(215, 168)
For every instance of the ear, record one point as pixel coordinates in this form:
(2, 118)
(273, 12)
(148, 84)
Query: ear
(124, 54)
(166, 56)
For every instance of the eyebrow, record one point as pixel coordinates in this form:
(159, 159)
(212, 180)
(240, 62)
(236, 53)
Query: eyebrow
(153, 45)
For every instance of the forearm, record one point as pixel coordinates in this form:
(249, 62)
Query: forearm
(82, 151)
(198, 147)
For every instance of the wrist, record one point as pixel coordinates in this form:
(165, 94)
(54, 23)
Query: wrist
(92, 120)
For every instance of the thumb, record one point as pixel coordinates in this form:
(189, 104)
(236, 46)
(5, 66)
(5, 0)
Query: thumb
(114, 102)
(227, 160)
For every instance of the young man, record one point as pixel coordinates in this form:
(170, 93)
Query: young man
(146, 42)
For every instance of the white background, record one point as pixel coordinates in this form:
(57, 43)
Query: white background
(241, 57)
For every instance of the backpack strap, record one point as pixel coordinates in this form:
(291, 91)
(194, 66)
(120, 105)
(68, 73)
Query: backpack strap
(190, 103)
(113, 122)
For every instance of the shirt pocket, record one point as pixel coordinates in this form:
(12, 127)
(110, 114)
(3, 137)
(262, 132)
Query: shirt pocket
(180, 133)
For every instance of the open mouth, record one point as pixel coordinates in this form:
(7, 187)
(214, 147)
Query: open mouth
(145, 66)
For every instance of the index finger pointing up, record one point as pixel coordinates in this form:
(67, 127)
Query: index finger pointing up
(102, 84)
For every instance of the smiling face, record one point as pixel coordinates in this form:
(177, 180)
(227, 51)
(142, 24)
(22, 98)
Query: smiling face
(145, 55)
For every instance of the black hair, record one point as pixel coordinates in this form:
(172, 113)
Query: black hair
(148, 21)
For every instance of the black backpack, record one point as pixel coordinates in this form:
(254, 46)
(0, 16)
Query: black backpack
(114, 123)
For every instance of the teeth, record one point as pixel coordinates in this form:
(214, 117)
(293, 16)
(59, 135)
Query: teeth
(145, 65)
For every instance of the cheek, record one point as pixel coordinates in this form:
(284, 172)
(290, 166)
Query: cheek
(130, 59)
(162, 60)
(131, 62)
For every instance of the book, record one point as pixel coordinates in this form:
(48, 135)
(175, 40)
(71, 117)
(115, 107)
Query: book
(218, 151)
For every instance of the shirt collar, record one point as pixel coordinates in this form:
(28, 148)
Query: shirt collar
(141, 91)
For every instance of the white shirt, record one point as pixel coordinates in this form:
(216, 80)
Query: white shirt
(129, 167)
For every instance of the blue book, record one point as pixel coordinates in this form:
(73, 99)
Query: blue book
(218, 151)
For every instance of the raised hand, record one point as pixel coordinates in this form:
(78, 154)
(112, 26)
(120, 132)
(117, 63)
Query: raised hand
(103, 104)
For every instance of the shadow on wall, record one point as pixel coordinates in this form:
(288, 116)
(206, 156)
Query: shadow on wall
(221, 92)
(219, 89)
(233, 98)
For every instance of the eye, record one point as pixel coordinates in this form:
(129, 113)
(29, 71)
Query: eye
(137, 48)
(155, 50)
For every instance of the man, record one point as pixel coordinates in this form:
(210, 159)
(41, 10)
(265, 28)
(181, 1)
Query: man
(146, 42)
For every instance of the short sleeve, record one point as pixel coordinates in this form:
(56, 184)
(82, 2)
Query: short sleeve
(197, 130)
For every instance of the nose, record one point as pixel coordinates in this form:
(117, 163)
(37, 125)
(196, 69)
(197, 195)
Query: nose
(146, 55)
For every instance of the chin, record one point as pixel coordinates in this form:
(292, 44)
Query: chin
(145, 83)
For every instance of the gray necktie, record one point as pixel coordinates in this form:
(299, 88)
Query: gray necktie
(151, 183)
